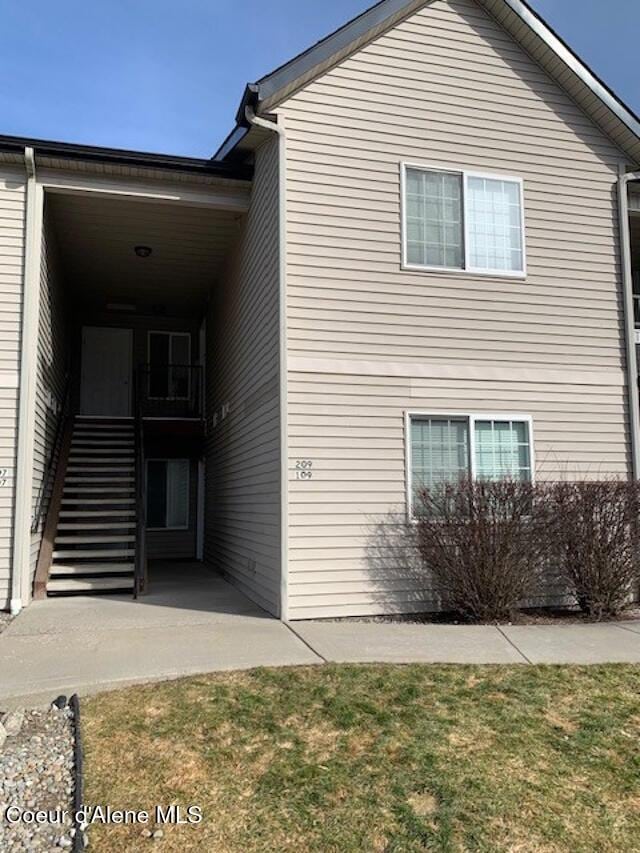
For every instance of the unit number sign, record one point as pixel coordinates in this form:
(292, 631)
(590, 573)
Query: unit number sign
(304, 469)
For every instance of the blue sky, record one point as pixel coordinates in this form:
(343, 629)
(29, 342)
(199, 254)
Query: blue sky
(165, 75)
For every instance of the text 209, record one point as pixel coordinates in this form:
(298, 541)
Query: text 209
(303, 469)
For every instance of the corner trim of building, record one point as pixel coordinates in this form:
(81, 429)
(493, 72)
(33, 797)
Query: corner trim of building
(627, 294)
(279, 129)
(20, 576)
(284, 375)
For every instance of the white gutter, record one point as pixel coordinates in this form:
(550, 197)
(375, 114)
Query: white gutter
(21, 564)
(630, 335)
(278, 128)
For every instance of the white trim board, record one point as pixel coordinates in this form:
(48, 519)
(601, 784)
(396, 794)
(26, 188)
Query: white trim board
(481, 373)
(34, 218)
(234, 199)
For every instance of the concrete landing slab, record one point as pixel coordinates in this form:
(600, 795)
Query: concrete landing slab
(195, 599)
(192, 622)
(379, 642)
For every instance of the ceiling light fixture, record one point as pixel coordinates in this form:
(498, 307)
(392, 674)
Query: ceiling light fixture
(143, 251)
(120, 306)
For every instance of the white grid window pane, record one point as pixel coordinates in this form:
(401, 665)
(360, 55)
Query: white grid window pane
(502, 450)
(494, 225)
(439, 451)
(433, 213)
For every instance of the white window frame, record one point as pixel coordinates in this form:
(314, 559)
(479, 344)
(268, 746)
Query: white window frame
(465, 174)
(171, 459)
(170, 334)
(471, 418)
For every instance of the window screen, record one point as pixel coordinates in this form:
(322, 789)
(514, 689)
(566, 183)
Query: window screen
(439, 451)
(494, 225)
(159, 353)
(156, 493)
(434, 218)
(169, 368)
(502, 450)
(167, 493)
(177, 493)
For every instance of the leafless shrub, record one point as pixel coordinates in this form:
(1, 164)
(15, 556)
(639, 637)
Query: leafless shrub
(484, 544)
(594, 535)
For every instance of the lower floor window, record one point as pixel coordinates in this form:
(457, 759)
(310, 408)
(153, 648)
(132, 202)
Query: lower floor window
(445, 449)
(167, 494)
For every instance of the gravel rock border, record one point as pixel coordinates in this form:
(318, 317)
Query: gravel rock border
(37, 772)
(5, 620)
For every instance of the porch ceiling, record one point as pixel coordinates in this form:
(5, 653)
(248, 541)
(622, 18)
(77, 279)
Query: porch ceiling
(96, 237)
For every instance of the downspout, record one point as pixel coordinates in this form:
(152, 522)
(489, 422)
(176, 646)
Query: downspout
(20, 575)
(627, 285)
(278, 128)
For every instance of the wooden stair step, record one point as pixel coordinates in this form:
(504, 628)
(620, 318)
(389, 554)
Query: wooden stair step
(70, 553)
(97, 454)
(98, 525)
(91, 568)
(100, 501)
(98, 479)
(93, 490)
(106, 454)
(102, 428)
(97, 445)
(93, 513)
(98, 539)
(125, 468)
(97, 438)
(80, 585)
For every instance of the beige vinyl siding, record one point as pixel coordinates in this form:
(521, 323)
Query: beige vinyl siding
(12, 213)
(368, 341)
(51, 379)
(242, 517)
(347, 554)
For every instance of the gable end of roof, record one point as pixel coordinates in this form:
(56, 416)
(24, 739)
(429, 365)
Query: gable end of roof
(535, 36)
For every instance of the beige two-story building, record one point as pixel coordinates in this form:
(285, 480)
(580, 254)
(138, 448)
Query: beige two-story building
(416, 257)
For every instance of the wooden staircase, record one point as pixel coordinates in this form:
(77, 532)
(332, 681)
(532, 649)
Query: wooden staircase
(94, 548)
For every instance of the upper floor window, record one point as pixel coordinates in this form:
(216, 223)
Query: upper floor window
(458, 220)
(169, 365)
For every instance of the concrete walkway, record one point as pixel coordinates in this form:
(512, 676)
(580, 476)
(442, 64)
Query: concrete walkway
(371, 642)
(193, 622)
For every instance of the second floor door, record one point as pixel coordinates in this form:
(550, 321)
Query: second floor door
(105, 383)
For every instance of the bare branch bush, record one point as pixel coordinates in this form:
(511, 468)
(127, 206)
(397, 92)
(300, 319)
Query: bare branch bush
(594, 533)
(485, 544)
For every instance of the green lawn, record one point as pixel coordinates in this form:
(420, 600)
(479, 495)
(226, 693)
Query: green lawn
(375, 758)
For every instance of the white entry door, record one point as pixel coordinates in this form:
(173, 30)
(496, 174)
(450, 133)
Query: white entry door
(105, 384)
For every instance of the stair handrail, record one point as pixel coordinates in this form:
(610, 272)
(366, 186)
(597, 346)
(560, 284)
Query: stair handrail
(140, 568)
(45, 555)
(52, 462)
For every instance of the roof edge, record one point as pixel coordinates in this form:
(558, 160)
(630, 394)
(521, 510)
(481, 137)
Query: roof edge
(286, 75)
(72, 151)
(571, 59)
(340, 39)
(266, 87)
